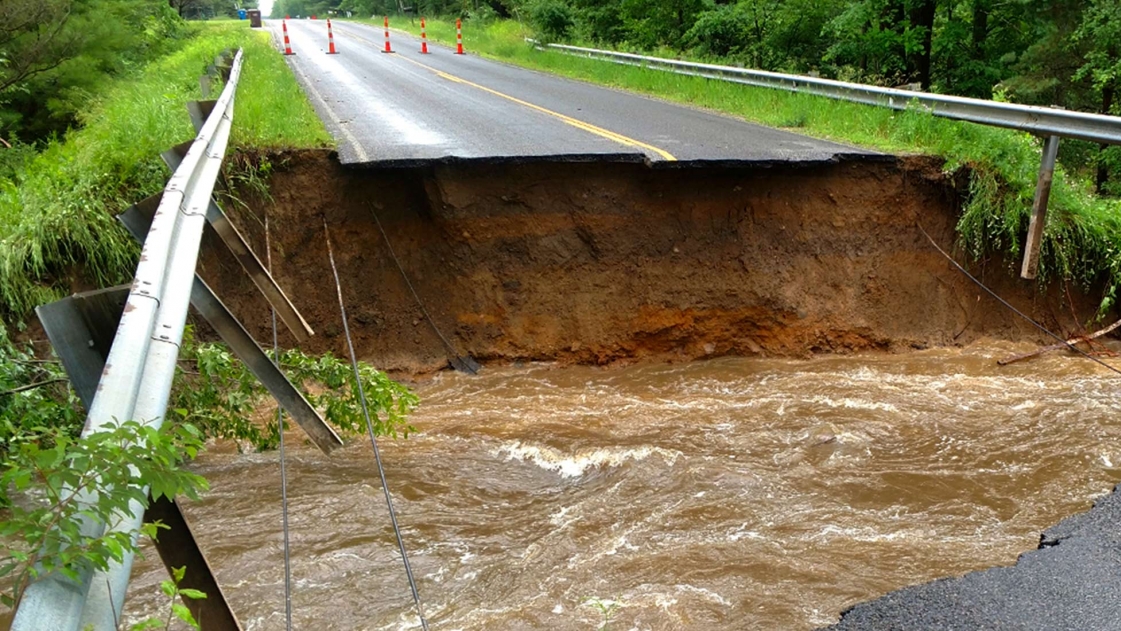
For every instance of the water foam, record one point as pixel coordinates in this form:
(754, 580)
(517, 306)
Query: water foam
(869, 534)
(706, 594)
(854, 404)
(575, 465)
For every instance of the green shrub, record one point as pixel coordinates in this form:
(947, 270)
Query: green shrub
(217, 393)
(721, 32)
(33, 411)
(552, 20)
(95, 479)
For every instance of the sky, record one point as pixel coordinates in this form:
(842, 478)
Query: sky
(265, 6)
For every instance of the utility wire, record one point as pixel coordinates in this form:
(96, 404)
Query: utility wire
(1007, 304)
(370, 429)
(283, 468)
(469, 366)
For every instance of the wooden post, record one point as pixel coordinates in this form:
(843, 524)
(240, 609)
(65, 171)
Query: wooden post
(1039, 208)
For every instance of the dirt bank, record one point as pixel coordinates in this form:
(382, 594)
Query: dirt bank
(599, 263)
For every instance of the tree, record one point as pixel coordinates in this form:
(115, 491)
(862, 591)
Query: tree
(55, 53)
(921, 24)
(797, 36)
(1046, 62)
(34, 38)
(868, 41)
(1100, 33)
(552, 20)
(742, 30)
(653, 23)
(188, 9)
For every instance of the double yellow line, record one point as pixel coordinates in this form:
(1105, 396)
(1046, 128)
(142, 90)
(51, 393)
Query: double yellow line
(579, 124)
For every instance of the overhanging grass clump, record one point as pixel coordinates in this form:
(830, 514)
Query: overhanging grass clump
(57, 206)
(1083, 237)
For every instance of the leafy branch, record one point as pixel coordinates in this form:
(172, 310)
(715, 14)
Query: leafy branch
(221, 396)
(176, 609)
(70, 487)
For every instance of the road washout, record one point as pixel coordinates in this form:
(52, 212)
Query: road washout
(615, 262)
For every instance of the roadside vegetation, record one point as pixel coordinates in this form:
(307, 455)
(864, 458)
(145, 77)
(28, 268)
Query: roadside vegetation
(83, 118)
(47, 472)
(58, 196)
(92, 90)
(1033, 58)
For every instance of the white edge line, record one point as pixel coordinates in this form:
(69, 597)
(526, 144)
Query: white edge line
(310, 89)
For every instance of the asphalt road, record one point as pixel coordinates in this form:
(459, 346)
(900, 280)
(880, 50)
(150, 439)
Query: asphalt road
(1071, 583)
(407, 107)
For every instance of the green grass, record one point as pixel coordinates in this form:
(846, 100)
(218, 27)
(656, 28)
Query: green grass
(56, 209)
(1082, 241)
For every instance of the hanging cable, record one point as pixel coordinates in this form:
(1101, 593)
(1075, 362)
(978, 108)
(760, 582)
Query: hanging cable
(1007, 304)
(463, 364)
(283, 467)
(370, 429)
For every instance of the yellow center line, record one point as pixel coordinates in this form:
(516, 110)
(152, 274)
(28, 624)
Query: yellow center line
(579, 124)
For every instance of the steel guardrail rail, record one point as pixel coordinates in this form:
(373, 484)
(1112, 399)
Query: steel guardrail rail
(139, 370)
(1042, 121)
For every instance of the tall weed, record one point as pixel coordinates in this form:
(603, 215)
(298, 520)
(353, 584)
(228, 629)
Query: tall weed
(56, 208)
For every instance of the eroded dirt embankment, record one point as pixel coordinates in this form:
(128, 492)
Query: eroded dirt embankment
(598, 263)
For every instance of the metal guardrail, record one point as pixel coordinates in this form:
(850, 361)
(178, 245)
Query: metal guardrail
(1042, 121)
(1049, 123)
(139, 370)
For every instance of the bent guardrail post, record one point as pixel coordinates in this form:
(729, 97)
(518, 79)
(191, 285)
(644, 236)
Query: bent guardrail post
(137, 220)
(136, 381)
(1039, 208)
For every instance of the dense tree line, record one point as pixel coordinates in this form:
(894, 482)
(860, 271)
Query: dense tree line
(55, 54)
(205, 9)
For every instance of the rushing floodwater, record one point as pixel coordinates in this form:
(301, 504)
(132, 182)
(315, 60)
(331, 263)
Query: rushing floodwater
(728, 494)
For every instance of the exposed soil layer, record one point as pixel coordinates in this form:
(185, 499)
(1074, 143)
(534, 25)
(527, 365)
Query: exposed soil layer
(608, 262)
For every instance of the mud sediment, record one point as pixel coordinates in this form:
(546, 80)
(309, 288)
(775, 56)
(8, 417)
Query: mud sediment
(607, 262)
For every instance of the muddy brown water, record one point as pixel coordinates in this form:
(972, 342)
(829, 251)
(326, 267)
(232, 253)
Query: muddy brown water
(722, 494)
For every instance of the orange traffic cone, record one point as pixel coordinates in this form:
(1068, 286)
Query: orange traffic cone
(387, 48)
(459, 37)
(330, 40)
(287, 44)
(423, 38)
